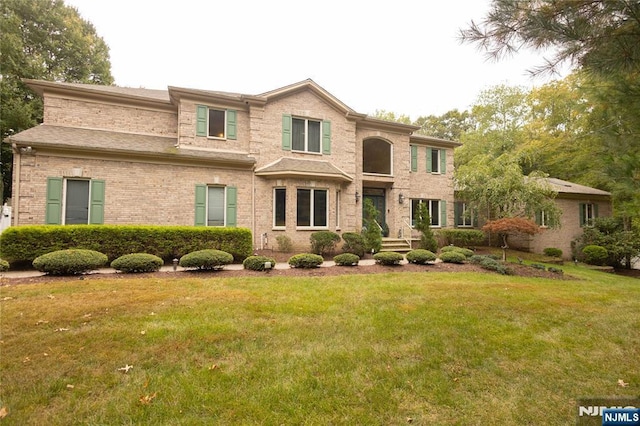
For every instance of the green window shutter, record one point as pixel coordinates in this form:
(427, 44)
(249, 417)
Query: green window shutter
(96, 214)
(443, 213)
(582, 208)
(231, 124)
(53, 214)
(457, 213)
(414, 158)
(286, 132)
(201, 205)
(201, 120)
(429, 159)
(595, 211)
(538, 217)
(232, 205)
(443, 161)
(326, 137)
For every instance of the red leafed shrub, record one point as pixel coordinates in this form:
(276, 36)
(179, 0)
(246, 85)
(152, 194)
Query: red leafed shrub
(512, 225)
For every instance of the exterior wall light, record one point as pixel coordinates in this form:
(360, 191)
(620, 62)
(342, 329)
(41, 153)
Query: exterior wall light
(357, 196)
(401, 198)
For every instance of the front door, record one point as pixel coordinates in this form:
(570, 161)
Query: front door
(377, 197)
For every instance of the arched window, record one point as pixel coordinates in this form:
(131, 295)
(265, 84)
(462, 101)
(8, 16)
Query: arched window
(376, 156)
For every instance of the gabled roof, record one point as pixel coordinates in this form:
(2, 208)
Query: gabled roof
(295, 167)
(40, 86)
(566, 187)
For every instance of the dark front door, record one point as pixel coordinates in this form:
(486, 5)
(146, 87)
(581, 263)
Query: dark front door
(377, 197)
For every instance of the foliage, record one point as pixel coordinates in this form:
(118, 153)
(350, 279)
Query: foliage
(69, 262)
(353, 243)
(305, 260)
(24, 243)
(555, 270)
(206, 259)
(595, 255)
(449, 126)
(621, 245)
(511, 225)
(538, 266)
(42, 39)
(382, 114)
(371, 233)
(461, 237)
(453, 256)
(423, 225)
(137, 262)
(552, 252)
(256, 263)
(421, 257)
(491, 264)
(323, 242)
(464, 251)
(285, 244)
(4, 265)
(388, 258)
(346, 259)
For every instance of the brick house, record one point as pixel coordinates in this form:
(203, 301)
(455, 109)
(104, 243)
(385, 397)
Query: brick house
(290, 161)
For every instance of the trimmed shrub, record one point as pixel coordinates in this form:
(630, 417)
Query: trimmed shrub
(464, 251)
(538, 266)
(284, 243)
(555, 270)
(256, 263)
(69, 262)
(595, 255)
(491, 264)
(25, 243)
(206, 259)
(371, 232)
(305, 260)
(388, 258)
(552, 252)
(421, 256)
(452, 256)
(323, 242)
(461, 237)
(346, 259)
(137, 263)
(353, 243)
(4, 265)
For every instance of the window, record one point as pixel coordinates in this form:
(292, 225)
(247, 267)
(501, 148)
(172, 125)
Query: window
(436, 208)
(305, 135)
(216, 205)
(463, 215)
(436, 160)
(588, 212)
(311, 206)
(215, 122)
(376, 157)
(74, 201)
(542, 218)
(279, 207)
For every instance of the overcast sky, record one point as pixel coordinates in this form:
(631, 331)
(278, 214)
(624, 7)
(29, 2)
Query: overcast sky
(402, 56)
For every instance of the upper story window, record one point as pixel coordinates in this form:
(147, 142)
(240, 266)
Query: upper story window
(216, 123)
(377, 157)
(306, 135)
(436, 160)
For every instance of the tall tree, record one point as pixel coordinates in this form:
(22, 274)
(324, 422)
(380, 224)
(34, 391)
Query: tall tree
(450, 125)
(42, 39)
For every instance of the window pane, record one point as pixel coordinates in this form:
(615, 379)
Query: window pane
(77, 202)
(216, 123)
(435, 160)
(297, 135)
(434, 212)
(314, 136)
(319, 208)
(376, 157)
(303, 207)
(215, 207)
(280, 207)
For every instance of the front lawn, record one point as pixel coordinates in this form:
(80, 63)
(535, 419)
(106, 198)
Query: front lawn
(425, 348)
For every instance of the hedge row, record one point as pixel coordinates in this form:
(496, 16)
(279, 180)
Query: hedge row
(19, 244)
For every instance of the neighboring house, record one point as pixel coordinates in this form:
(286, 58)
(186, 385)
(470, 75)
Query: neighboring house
(290, 161)
(579, 205)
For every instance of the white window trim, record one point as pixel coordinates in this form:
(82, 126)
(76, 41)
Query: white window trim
(390, 161)
(544, 219)
(224, 206)
(464, 217)
(306, 135)
(224, 124)
(428, 200)
(338, 197)
(273, 223)
(311, 210)
(589, 213)
(63, 219)
(437, 150)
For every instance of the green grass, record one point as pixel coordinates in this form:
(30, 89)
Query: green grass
(437, 348)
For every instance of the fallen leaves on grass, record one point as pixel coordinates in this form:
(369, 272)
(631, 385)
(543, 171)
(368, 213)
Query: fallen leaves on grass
(3, 412)
(622, 383)
(146, 399)
(126, 368)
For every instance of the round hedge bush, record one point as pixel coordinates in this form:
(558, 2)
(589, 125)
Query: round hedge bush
(421, 256)
(552, 252)
(452, 256)
(137, 263)
(4, 265)
(346, 259)
(305, 260)
(256, 263)
(595, 255)
(388, 258)
(353, 243)
(206, 259)
(465, 252)
(69, 262)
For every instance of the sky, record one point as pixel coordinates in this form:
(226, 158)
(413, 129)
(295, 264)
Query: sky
(400, 56)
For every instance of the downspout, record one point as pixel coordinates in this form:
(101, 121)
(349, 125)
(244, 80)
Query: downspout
(15, 196)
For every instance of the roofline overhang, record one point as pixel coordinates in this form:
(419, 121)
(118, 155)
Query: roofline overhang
(433, 141)
(176, 94)
(307, 175)
(391, 126)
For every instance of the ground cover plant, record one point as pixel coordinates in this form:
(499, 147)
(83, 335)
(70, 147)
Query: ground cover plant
(429, 348)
